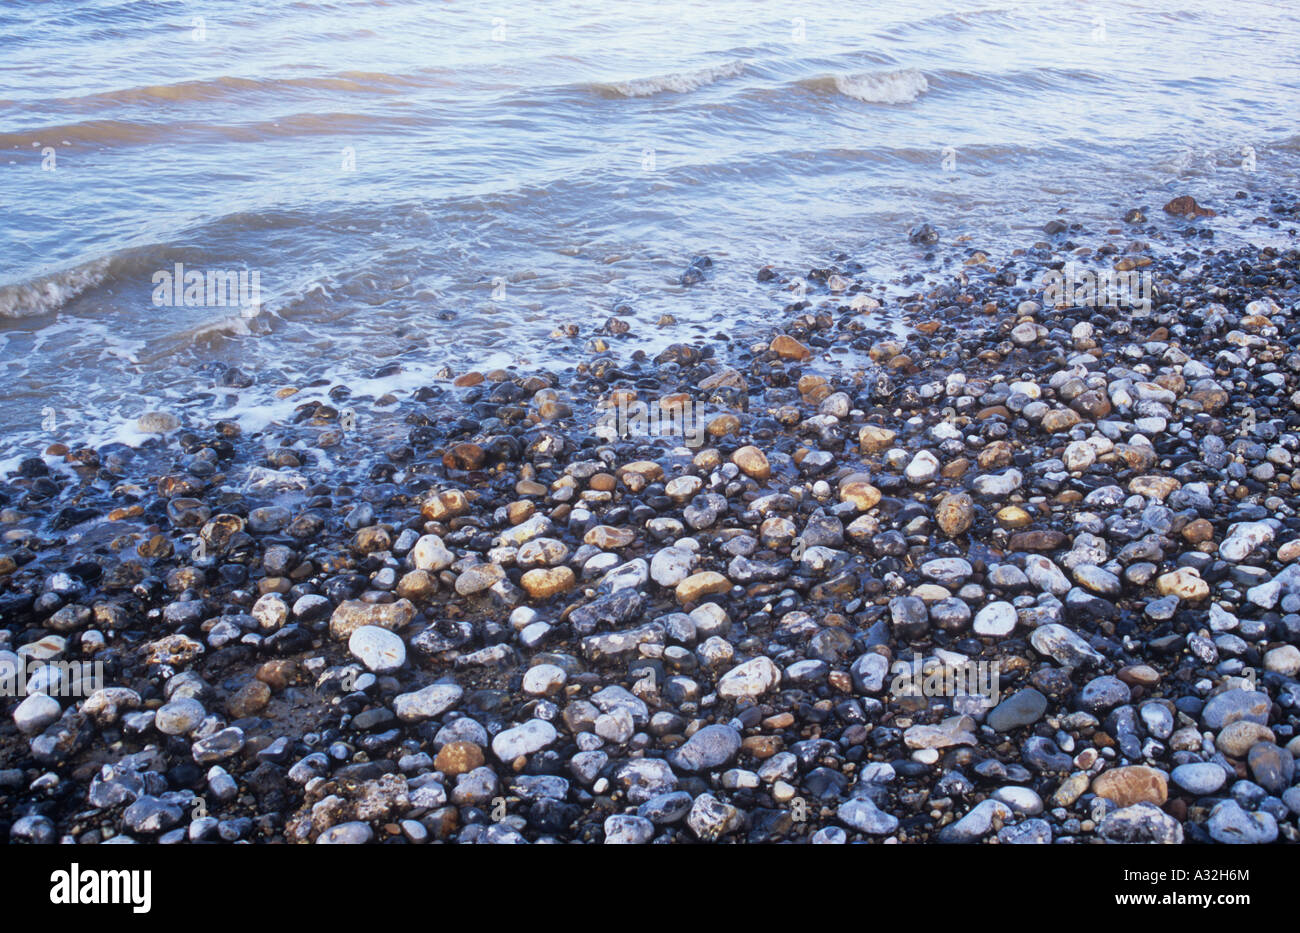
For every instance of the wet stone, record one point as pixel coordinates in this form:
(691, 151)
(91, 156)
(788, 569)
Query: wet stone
(864, 816)
(1020, 709)
(1230, 823)
(1233, 706)
(1199, 778)
(711, 747)
(1141, 824)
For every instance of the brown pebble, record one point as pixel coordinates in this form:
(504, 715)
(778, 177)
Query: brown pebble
(279, 673)
(762, 746)
(457, 758)
(251, 698)
(1132, 784)
(464, 457)
(1186, 206)
(1139, 675)
(788, 348)
(1198, 531)
(752, 462)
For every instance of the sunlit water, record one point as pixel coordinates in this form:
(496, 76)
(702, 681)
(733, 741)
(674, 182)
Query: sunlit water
(437, 183)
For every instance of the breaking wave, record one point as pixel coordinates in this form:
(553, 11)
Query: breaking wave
(888, 87)
(679, 82)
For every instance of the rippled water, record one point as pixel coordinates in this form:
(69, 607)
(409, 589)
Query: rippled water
(437, 183)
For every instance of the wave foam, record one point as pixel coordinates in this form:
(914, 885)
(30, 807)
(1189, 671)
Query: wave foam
(889, 87)
(51, 292)
(678, 83)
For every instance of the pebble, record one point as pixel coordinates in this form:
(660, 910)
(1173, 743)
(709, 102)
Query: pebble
(427, 703)
(751, 679)
(1026, 832)
(353, 833)
(865, 817)
(543, 679)
(1142, 824)
(666, 808)
(923, 468)
(1064, 646)
(955, 513)
(1023, 708)
(1272, 767)
(1132, 784)
(157, 422)
(670, 566)
(1230, 824)
(523, 740)
(628, 830)
(36, 712)
(459, 757)
(1104, 692)
(996, 620)
(377, 648)
(1238, 738)
(151, 815)
(1231, 706)
(977, 823)
(710, 818)
(1199, 778)
(710, 747)
(702, 584)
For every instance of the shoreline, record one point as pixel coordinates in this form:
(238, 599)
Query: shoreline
(564, 637)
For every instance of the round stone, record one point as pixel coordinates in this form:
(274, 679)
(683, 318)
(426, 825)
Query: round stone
(955, 513)
(1230, 823)
(751, 679)
(1133, 784)
(346, 834)
(995, 620)
(710, 747)
(923, 468)
(699, 585)
(179, 717)
(1020, 709)
(1199, 777)
(752, 462)
(427, 703)
(380, 650)
(457, 758)
(543, 680)
(626, 829)
(523, 740)
(864, 816)
(543, 583)
(36, 712)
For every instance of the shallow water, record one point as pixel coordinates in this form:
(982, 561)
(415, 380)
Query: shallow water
(440, 184)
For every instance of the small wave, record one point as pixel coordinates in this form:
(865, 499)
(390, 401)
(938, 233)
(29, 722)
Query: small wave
(49, 293)
(45, 294)
(680, 82)
(234, 87)
(239, 324)
(956, 21)
(887, 87)
(122, 133)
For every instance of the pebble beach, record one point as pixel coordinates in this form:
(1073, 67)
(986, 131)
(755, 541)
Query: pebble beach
(474, 610)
